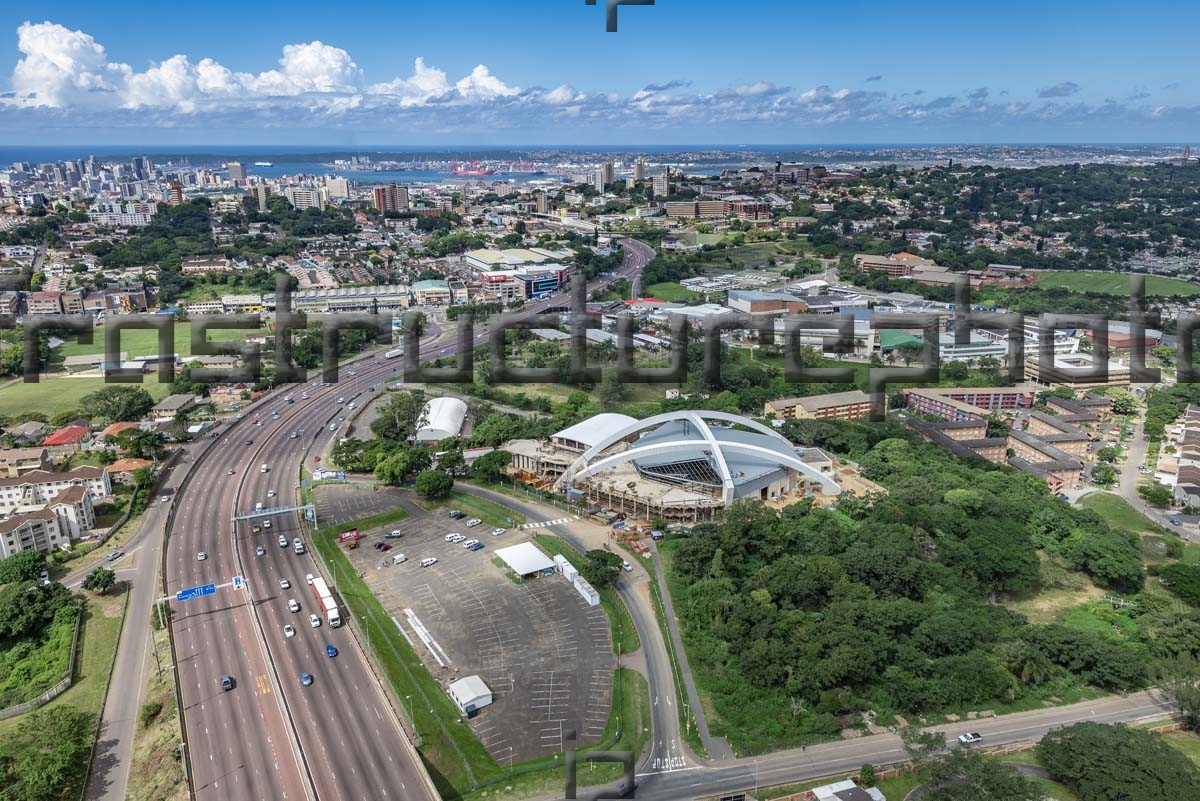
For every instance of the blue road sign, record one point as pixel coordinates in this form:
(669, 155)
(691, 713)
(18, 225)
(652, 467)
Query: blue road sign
(237, 582)
(619, 525)
(310, 514)
(195, 592)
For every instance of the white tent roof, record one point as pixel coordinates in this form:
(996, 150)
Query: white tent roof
(525, 558)
(443, 418)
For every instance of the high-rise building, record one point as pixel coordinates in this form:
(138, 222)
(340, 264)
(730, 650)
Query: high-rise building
(338, 187)
(260, 193)
(540, 202)
(391, 198)
(237, 171)
(175, 196)
(143, 167)
(639, 169)
(662, 184)
(303, 197)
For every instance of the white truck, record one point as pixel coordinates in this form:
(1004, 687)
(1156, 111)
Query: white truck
(326, 602)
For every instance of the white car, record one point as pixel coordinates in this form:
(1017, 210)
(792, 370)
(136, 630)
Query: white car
(165, 499)
(282, 541)
(289, 630)
(496, 532)
(469, 543)
(270, 493)
(266, 524)
(473, 522)
(293, 605)
(628, 568)
(333, 427)
(314, 621)
(303, 396)
(200, 557)
(309, 578)
(970, 738)
(293, 435)
(428, 561)
(284, 584)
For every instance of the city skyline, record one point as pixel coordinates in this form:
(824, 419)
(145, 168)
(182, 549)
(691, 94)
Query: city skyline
(547, 73)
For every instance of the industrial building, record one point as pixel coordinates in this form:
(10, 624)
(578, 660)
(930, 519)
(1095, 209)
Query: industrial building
(681, 466)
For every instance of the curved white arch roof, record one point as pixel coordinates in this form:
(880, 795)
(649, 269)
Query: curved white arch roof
(443, 418)
(688, 435)
(595, 429)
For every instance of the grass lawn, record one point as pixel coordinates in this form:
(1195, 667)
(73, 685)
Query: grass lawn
(671, 292)
(624, 633)
(1117, 512)
(491, 513)
(97, 641)
(53, 394)
(1045, 606)
(1186, 742)
(144, 342)
(157, 772)
(1113, 283)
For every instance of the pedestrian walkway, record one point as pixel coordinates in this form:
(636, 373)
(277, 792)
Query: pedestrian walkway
(548, 523)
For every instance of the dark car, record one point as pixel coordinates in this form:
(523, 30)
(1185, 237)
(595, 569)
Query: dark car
(330, 651)
(456, 515)
(226, 682)
(383, 546)
(305, 678)
(249, 442)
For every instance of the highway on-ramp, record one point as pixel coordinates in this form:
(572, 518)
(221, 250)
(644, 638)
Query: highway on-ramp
(270, 737)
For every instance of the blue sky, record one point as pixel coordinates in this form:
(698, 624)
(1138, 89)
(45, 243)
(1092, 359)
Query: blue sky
(545, 71)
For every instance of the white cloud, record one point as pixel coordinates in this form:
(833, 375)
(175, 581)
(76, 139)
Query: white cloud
(65, 77)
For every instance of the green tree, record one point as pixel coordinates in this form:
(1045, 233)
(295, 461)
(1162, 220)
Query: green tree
(1102, 762)
(393, 469)
(1156, 494)
(118, 403)
(100, 580)
(1104, 474)
(434, 484)
(46, 755)
(143, 444)
(22, 566)
(1108, 454)
(452, 461)
(1180, 679)
(399, 418)
(967, 775)
(490, 467)
(600, 568)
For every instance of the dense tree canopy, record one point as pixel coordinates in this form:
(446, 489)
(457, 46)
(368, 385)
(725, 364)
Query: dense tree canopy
(114, 404)
(889, 602)
(1115, 763)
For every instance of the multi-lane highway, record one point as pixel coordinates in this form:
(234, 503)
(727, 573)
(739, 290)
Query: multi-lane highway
(271, 737)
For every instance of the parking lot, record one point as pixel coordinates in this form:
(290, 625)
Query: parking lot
(545, 654)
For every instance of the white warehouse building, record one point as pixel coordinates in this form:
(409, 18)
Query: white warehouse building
(442, 418)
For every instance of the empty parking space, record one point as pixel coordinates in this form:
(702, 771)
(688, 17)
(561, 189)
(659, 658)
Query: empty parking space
(544, 653)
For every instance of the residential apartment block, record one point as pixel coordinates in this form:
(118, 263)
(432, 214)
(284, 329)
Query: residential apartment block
(852, 405)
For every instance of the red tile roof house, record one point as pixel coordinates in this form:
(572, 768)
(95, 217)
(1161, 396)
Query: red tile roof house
(69, 439)
(114, 430)
(122, 469)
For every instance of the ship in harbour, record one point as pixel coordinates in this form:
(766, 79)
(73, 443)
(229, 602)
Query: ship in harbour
(264, 164)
